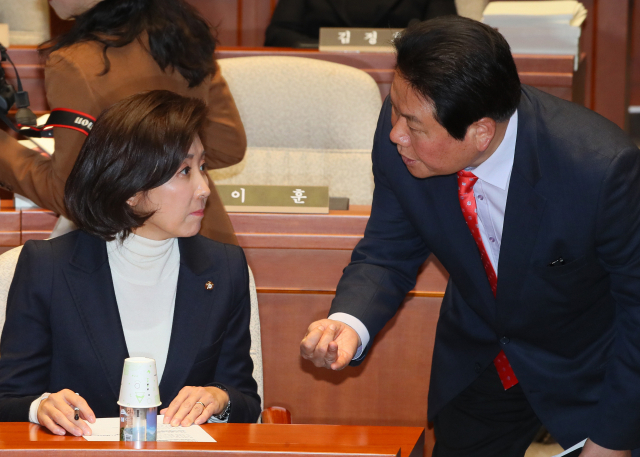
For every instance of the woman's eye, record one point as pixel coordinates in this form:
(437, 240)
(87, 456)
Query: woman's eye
(185, 171)
(203, 167)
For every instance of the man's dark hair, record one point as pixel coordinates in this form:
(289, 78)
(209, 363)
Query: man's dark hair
(463, 67)
(178, 36)
(135, 145)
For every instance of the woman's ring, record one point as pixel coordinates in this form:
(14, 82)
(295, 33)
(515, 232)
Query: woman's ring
(203, 405)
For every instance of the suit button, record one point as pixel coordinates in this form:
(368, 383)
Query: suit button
(504, 340)
(478, 367)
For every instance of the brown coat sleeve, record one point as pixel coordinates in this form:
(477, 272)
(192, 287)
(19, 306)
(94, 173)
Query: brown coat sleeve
(224, 138)
(32, 175)
(225, 143)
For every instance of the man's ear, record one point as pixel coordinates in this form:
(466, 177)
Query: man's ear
(485, 131)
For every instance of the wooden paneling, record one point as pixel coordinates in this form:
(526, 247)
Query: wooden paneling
(38, 220)
(610, 77)
(374, 393)
(223, 15)
(239, 22)
(256, 15)
(10, 229)
(635, 54)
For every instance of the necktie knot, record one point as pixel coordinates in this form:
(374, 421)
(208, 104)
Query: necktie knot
(466, 181)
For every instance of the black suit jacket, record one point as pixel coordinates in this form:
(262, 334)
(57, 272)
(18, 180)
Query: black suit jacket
(297, 22)
(570, 332)
(63, 329)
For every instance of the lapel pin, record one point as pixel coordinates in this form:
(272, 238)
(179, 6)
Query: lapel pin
(208, 285)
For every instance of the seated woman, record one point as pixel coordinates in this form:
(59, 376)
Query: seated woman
(136, 279)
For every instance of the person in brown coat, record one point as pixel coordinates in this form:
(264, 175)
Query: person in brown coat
(115, 49)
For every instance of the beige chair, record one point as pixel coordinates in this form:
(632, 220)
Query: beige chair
(308, 122)
(28, 21)
(8, 262)
(471, 8)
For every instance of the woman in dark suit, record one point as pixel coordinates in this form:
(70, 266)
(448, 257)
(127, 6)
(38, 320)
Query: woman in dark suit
(296, 23)
(136, 279)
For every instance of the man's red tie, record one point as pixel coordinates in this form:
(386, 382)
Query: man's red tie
(466, 181)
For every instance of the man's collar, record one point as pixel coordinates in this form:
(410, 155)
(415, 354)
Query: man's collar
(496, 170)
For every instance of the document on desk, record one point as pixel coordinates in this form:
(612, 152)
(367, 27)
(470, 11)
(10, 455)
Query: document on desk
(573, 450)
(108, 429)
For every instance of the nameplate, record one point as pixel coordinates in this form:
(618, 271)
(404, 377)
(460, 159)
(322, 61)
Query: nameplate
(274, 199)
(357, 39)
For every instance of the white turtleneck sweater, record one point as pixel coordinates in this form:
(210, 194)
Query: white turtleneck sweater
(145, 280)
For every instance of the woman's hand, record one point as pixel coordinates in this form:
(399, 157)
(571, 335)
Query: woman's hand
(187, 408)
(57, 413)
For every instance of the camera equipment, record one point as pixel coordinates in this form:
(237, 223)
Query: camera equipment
(8, 96)
(25, 119)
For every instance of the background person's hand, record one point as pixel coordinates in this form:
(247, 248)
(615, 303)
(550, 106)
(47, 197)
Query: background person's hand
(185, 410)
(57, 414)
(330, 344)
(591, 449)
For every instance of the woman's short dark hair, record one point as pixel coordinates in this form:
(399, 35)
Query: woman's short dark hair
(461, 66)
(178, 36)
(135, 145)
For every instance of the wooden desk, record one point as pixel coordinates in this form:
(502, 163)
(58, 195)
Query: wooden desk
(24, 440)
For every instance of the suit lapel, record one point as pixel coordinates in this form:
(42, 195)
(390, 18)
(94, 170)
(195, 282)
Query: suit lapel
(89, 278)
(384, 6)
(194, 304)
(523, 213)
(341, 11)
(457, 249)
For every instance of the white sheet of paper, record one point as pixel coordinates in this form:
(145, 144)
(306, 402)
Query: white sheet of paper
(572, 448)
(108, 429)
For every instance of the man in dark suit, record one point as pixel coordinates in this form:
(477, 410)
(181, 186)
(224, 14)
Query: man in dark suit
(296, 23)
(532, 204)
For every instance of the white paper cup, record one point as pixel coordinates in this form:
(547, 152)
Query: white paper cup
(139, 386)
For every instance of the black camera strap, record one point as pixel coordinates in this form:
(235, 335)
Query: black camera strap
(61, 117)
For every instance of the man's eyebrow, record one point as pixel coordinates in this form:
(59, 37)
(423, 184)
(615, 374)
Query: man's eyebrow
(409, 117)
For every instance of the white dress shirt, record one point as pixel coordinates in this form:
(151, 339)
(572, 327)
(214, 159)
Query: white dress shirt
(490, 192)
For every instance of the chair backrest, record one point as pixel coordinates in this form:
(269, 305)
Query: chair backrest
(471, 8)
(297, 102)
(8, 262)
(256, 342)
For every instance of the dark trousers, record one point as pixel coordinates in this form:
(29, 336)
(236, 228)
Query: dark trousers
(486, 420)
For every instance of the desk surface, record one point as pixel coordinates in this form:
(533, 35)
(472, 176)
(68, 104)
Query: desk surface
(25, 439)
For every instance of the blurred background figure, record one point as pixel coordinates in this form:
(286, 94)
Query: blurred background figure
(296, 23)
(117, 48)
